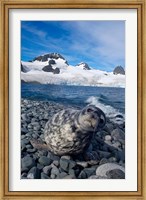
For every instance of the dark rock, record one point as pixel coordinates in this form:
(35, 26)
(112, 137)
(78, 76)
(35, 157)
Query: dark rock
(24, 69)
(52, 62)
(82, 175)
(45, 160)
(56, 70)
(33, 173)
(119, 70)
(115, 174)
(45, 57)
(24, 130)
(39, 166)
(48, 68)
(27, 162)
(52, 156)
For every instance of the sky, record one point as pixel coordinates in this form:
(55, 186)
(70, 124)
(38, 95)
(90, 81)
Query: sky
(101, 44)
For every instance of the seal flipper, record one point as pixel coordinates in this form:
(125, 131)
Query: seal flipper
(40, 145)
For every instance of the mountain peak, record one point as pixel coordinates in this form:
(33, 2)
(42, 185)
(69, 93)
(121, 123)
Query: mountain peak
(84, 66)
(48, 56)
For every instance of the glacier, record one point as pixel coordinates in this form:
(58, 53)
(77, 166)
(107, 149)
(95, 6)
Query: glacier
(69, 75)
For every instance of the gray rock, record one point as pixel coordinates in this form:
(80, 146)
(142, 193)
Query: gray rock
(53, 176)
(67, 157)
(39, 166)
(112, 159)
(69, 177)
(117, 144)
(44, 176)
(72, 164)
(115, 174)
(61, 175)
(97, 177)
(103, 161)
(103, 169)
(45, 160)
(47, 170)
(64, 164)
(104, 154)
(89, 171)
(72, 173)
(27, 162)
(118, 134)
(33, 173)
(54, 170)
(31, 150)
(56, 163)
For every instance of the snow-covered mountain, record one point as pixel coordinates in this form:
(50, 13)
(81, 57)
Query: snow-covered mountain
(54, 69)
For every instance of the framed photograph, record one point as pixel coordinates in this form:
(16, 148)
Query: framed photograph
(72, 99)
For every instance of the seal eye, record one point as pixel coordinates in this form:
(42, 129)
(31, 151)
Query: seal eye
(102, 121)
(89, 110)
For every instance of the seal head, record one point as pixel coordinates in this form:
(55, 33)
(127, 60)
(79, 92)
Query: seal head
(70, 131)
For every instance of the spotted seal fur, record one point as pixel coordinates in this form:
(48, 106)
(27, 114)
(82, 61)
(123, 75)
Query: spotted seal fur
(70, 131)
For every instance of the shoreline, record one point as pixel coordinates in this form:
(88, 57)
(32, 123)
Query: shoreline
(35, 164)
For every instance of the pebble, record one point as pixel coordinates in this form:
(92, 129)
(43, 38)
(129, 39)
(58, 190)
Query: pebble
(115, 174)
(44, 176)
(27, 162)
(45, 160)
(108, 138)
(118, 134)
(33, 173)
(103, 169)
(64, 164)
(61, 175)
(47, 170)
(54, 170)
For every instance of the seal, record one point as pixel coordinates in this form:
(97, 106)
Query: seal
(70, 131)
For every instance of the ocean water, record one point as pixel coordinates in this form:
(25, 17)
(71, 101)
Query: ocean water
(110, 100)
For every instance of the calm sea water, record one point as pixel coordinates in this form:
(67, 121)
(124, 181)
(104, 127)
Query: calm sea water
(111, 100)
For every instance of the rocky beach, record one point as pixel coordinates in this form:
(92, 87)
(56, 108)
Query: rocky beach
(109, 143)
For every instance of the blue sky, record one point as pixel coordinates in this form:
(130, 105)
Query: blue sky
(101, 44)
